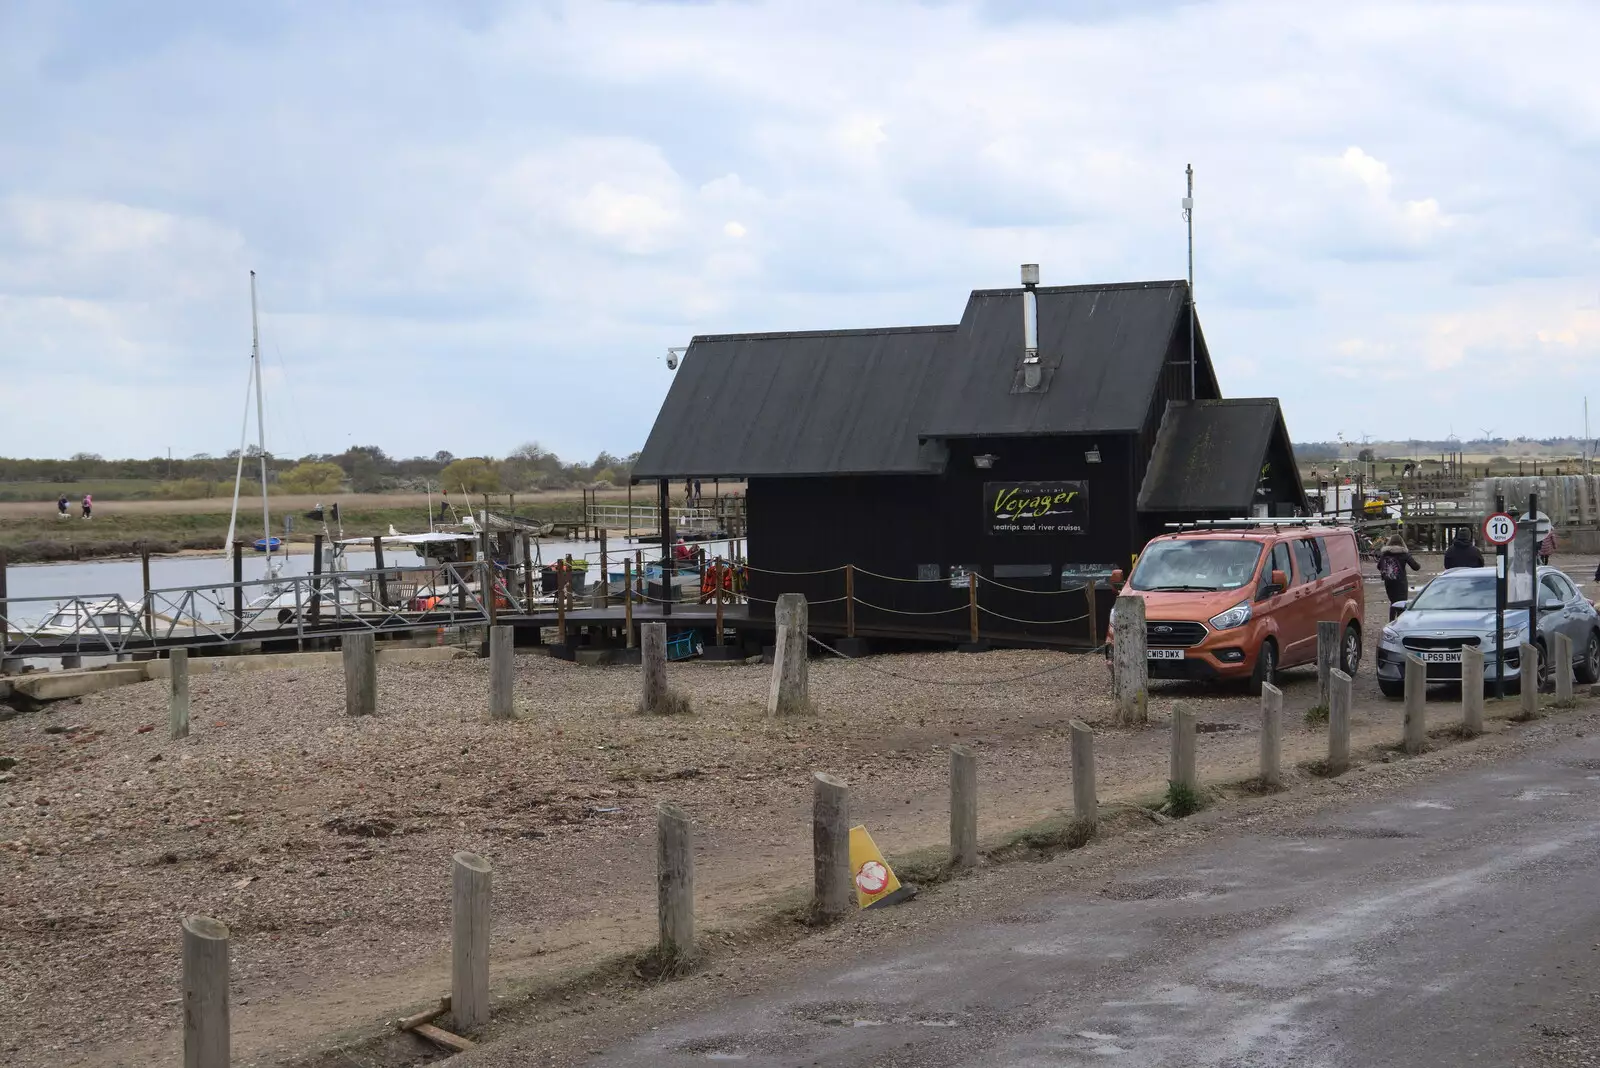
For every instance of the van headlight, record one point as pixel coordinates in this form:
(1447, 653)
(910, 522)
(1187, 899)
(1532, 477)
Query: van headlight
(1237, 616)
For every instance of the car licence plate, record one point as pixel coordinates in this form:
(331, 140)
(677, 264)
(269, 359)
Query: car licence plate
(1164, 654)
(1439, 656)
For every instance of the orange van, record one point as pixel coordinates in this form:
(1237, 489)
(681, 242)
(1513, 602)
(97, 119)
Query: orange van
(1241, 599)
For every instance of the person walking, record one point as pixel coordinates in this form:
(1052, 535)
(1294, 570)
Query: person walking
(62, 506)
(1393, 559)
(1462, 553)
(88, 506)
(1547, 546)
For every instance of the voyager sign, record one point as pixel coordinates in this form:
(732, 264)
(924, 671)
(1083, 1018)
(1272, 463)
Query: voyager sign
(1037, 507)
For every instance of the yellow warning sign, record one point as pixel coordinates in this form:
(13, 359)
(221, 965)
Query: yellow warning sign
(873, 877)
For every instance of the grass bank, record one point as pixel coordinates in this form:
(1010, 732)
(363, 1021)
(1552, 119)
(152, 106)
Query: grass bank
(43, 537)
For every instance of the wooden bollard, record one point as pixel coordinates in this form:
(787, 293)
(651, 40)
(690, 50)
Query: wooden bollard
(1129, 668)
(1561, 669)
(501, 672)
(1416, 723)
(1085, 799)
(206, 1031)
(1528, 681)
(360, 653)
(790, 691)
(963, 807)
(178, 700)
(1271, 735)
(1183, 771)
(627, 599)
(655, 698)
(830, 846)
(471, 880)
(1327, 660)
(1338, 723)
(1472, 689)
(675, 881)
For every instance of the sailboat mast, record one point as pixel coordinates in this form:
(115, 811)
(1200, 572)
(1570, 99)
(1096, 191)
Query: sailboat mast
(261, 427)
(238, 471)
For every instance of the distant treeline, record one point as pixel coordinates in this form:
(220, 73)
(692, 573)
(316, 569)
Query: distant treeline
(1510, 448)
(360, 469)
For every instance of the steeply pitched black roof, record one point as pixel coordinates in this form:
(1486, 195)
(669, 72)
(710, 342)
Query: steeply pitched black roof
(1209, 455)
(836, 402)
(1102, 347)
(878, 401)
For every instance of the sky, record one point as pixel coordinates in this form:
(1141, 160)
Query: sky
(479, 224)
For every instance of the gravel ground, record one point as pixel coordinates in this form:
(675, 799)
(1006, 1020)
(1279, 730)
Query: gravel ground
(1555, 1017)
(324, 842)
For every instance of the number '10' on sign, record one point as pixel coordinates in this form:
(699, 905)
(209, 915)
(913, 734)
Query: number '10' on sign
(1499, 529)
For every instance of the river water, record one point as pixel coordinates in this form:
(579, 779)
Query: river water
(34, 589)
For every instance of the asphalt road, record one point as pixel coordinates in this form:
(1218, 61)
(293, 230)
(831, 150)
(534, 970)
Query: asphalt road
(1455, 924)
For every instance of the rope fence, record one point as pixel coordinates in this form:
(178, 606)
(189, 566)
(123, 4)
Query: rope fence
(908, 611)
(724, 582)
(896, 578)
(1034, 622)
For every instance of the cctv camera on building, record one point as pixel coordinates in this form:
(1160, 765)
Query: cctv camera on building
(673, 356)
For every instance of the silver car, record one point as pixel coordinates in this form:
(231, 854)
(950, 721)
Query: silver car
(1457, 610)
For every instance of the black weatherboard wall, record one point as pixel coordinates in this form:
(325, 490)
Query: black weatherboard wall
(867, 447)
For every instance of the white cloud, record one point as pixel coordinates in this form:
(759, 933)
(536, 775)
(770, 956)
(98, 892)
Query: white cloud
(1359, 216)
(551, 193)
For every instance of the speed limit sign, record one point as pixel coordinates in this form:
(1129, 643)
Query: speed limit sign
(1499, 529)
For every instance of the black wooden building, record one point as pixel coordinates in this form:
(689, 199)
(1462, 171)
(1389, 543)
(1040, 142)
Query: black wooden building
(922, 454)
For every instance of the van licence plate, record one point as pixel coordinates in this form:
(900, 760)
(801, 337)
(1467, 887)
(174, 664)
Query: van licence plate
(1164, 654)
(1439, 656)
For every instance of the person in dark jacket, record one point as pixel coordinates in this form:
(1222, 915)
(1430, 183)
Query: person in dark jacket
(1462, 553)
(1393, 559)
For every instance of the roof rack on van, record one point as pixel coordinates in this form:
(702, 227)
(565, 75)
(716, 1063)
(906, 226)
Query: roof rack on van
(1248, 524)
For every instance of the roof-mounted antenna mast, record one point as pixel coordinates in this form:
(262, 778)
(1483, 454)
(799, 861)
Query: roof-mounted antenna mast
(1188, 217)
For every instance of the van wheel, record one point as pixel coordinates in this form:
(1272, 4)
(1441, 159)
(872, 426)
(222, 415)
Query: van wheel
(1350, 652)
(1588, 671)
(1266, 668)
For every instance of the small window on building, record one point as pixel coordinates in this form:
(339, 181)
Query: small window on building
(1023, 571)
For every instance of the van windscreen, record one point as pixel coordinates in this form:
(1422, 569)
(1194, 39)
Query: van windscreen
(1196, 565)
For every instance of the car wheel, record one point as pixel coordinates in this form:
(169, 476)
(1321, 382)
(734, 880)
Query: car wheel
(1545, 680)
(1266, 671)
(1392, 690)
(1351, 652)
(1589, 666)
